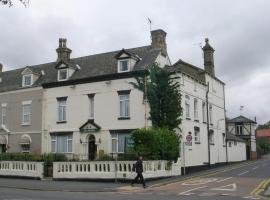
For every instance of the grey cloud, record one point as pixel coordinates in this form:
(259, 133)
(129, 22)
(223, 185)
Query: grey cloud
(237, 30)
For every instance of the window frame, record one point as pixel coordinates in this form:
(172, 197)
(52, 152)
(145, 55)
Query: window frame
(211, 114)
(187, 106)
(211, 138)
(25, 114)
(59, 76)
(24, 79)
(91, 99)
(196, 111)
(4, 114)
(224, 139)
(239, 130)
(63, 111)
(120, 65)
(25, 150)
(197, 137)
(68, 138)
(204, 114)
(115, 137)
(126, 104)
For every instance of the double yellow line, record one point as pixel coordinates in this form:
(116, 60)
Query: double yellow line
(260, 188)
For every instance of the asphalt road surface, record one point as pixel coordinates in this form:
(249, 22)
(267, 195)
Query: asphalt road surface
(240, 182)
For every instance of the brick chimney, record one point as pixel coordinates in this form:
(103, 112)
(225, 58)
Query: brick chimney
(208, 54)
(63, 53)
(159, 40)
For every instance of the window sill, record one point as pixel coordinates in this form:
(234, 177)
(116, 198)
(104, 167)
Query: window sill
(187, 118)
(205, 122)
(212, 144)
(197, 142)
(224, 145)
(25, 124)
(211, 124)
(61, 122)
(123, 118)
(196, 120)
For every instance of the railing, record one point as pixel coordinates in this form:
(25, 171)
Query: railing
(21, 169)
(113, 169)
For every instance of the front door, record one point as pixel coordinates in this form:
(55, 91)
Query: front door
(92, 147)
(2, 148)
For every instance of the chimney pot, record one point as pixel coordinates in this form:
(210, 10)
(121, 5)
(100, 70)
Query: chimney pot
(62, 51)
(208, 54)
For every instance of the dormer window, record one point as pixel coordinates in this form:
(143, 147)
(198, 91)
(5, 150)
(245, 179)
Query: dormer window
(123, 65)
(126, 61)
(27, 80)
(62, 74)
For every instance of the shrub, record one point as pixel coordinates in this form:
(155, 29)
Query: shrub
(156, 144)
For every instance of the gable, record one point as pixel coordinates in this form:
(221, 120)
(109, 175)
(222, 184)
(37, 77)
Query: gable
(27, 71)
(89, 127)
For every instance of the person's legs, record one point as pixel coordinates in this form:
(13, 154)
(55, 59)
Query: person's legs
(135, 179)
(142, 179)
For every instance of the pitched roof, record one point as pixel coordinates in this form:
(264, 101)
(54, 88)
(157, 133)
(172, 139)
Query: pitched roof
(241, 119)
(263, 133)
(233, 137)
(188, 69)
(90, 66)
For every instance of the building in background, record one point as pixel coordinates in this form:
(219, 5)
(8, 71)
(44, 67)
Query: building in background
(244, 128)
(263, 133)
(21, 110)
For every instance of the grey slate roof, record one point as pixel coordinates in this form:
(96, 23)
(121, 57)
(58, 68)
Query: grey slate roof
(188, 69)
(233, 137)
(90, 66)
(191, 70)
(240, 119)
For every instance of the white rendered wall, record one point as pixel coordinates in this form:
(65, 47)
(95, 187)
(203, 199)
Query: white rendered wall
(197, 154)
(236, 152)
(106, 111)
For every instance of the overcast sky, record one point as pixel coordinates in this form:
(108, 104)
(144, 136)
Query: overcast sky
(238, 30)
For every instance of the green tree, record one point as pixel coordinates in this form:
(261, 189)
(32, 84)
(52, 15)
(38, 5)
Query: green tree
(156, 143)
(162, 92)
(264, 145)
(264, 126)
(10, 2)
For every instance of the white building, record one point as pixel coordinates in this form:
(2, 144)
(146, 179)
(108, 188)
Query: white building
(90, 107)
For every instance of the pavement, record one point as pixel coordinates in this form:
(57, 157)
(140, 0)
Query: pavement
(247, 180)
(87, 186)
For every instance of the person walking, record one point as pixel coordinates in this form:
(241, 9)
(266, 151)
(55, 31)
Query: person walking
(139, 171)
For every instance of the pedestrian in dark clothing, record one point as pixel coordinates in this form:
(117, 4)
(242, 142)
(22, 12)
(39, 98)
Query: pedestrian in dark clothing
(139, 171)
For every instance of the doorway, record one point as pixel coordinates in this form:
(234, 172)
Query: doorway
(92, 147)
(2, 148)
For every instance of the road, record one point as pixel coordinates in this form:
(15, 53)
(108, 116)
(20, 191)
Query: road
(238, 182)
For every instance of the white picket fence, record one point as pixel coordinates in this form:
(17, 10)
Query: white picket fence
(113, 169)
(21, 169)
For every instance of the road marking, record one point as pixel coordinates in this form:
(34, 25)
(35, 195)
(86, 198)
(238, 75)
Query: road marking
(255, 167)
(200, 181)
(251, 197)
(225, 179)
(205, 194)
(230, 187)
(187, 192)
(258, 187)
(242, 173)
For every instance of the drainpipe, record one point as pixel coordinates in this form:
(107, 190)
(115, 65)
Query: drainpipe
(207, 118)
